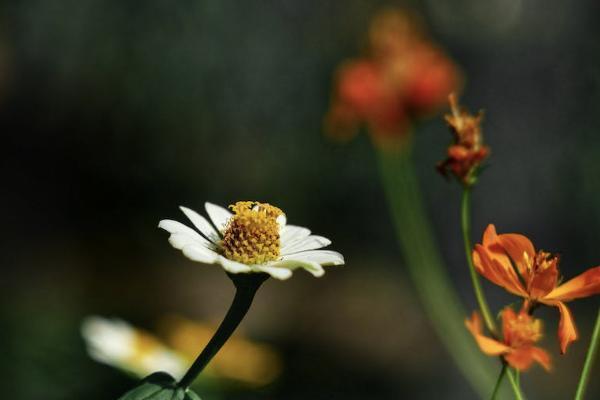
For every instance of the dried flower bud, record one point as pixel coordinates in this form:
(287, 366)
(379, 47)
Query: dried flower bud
(467, 152)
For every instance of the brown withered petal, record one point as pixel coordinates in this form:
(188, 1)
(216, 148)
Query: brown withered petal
(467, 152)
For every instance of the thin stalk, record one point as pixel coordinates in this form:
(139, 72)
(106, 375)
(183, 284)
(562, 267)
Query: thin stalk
(589, 360)
(427, 272)
(466, 231)
(246, 287)
(465, 219)
(515, 385)
(498, 382)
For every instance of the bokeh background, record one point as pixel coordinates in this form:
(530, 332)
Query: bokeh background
(113, 113)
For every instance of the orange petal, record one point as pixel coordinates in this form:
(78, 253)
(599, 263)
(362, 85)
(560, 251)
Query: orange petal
(517, 246)
(567, 332)
(508, 317)
(489, 236)
(583, 285)
(543, 282)
(359, 84)
(496, 268)
(542, 357)
(523, 357)
(487, 345)
(457, 152)
(520, 359)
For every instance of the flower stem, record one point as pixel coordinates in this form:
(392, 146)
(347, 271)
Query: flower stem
(514, 382)
(483, 305)
(589, 360)
(498, 382)
(429, 276)
(466, 231)
(246, 286)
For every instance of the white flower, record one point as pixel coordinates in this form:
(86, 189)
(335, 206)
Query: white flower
(254, 238)
(116, 343)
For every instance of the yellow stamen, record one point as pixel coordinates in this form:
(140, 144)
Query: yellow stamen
(528, 261)
(525, 330)
(252, 234)
(544, 260)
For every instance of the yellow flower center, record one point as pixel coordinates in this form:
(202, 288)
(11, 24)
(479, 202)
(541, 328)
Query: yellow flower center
(524, 330)
(252, 233)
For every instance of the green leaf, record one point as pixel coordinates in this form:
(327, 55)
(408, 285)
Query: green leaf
(159, 386)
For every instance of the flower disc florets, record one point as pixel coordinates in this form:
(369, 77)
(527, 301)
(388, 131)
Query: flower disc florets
(252, 233)
(522, 330)
(253, 238)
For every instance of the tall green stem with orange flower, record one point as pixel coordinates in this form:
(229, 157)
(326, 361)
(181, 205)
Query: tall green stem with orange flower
(589, 360)
(481, 300)
(466, 232)
(425, 267)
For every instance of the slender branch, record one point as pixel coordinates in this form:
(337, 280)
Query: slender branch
(589, 360)
(466, 231)
(246, 287)
(498, 382)
(481, 300)
(514, 383)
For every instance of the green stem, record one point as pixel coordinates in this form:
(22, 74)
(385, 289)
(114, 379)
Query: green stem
(246, 287)
(515, 385)
(466, 231)
(589, 360)
(498, 382)
(429, 276)
(482, 302)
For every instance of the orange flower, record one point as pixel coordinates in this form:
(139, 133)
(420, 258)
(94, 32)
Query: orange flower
(363, 95)
(403, 76)
(468, 150)
(510, 261)
(520, 332)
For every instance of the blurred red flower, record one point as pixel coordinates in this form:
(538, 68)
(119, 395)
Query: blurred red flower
(403, 77)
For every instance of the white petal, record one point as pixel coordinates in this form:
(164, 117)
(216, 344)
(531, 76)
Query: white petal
(199, 253)
(108, 340)
(233, 266)
(201, 224)
(176, 227)
(310, 243)
(282, 220)
(218, 215)
(275, 272)
(182, 235)
(312, 267)
(323, 257)
(291, 233)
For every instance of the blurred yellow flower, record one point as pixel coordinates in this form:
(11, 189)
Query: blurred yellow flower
(116, 343)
